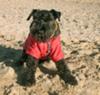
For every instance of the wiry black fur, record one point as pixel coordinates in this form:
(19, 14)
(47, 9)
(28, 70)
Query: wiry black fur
(65, 73)
(44, 26)
(29, 77)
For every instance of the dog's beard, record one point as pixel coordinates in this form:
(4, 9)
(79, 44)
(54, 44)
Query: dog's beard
(42, 31)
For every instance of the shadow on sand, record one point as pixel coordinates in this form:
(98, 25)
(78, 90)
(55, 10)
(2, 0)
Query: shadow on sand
(9, 56)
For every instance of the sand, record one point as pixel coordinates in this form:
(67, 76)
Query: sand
(80, 27)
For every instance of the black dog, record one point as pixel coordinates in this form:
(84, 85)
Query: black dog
(44, 42)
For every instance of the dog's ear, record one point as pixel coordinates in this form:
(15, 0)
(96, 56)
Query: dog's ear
(32, 13)
(56, 14)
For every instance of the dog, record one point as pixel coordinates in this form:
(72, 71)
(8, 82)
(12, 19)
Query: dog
(44, 42)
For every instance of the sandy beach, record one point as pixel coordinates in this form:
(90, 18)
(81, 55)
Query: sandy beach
(80, 28)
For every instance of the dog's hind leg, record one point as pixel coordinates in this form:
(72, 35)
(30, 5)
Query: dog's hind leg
(29, 72)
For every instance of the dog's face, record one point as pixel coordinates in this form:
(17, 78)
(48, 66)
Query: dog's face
(44, 24)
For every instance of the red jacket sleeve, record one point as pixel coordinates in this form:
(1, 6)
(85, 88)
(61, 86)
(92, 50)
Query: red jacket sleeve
(56, 50)
(31, 48)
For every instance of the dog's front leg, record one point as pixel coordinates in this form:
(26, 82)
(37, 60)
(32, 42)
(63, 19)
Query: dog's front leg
(29, 72)
(22, 59)
(65, 73)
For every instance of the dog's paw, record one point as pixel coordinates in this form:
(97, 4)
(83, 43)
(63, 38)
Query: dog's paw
(28, 83)
(70, 79)
(28, 78)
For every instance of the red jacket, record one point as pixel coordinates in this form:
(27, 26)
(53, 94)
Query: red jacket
(40, 50)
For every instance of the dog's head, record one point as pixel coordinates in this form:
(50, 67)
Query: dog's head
(44, 24)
